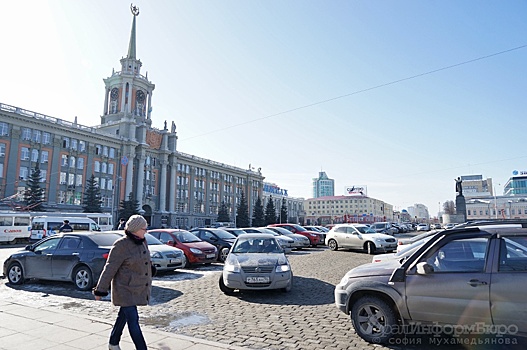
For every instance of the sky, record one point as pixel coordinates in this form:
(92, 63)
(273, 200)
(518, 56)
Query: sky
(401, 97)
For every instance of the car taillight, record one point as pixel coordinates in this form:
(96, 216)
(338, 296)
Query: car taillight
(105, 256)
(399, 243)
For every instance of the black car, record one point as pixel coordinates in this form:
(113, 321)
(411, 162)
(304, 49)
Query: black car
(78, 257)
(221, 239)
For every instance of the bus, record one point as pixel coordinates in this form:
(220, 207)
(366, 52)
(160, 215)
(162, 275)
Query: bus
(103, 220)
(15, 227)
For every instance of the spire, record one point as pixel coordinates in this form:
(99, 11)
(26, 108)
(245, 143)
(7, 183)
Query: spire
(131, 45)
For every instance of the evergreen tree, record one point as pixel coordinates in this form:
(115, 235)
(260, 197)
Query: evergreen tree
(92, 196)
(34, 194)
(258, 213)
(283, 212)
(270, 212)
(128, 207)
(242, 213)
(223, 213)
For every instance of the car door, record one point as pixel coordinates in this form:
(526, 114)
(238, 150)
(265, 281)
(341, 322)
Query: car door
(66, 256)
(456, 288)
(39, 263)
(354, 238)
(508, 286)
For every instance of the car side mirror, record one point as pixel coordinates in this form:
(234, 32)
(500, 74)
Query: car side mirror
(170, 242)
(29, 247)
(424, 268)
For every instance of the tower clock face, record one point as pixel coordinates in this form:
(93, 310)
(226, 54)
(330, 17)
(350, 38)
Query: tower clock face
(114, 94)
(140, 96)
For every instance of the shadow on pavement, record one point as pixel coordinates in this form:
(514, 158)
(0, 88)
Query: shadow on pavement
(306, 291)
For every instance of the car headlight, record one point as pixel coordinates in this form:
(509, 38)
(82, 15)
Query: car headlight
(196, 251)
(232, 264)
(312, 235)
(282, 268)
(156, 255)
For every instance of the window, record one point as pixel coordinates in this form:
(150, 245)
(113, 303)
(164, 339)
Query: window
(80, 163)
(1, 170)
(36, 136)
(62, 178)
(23, 173)
(112, 152)
(103, 168)
(71, 179)
(43, 175)
(105, 151)
(2, 149)
(24, 154)
(34, 155)
(64, 160)
(110, 168)
(4, 129)
(461, 255)
(66, 142)
(44, 155)
(103, 183)
(26, 134)
(73, 144)
(98, 149)
(72, 162)
(46, 138)
(513, 254)
(97, 166)
(78, 182)
(82, 146)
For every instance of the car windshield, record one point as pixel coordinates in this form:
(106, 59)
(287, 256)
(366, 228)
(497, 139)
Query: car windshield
(151, 240)
(236, 231)
(365, 229)
(299, 228)
(224, 234)
(256, 245)
(187, 237)
(105, 239)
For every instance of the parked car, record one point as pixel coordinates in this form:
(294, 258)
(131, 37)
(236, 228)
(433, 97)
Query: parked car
(300, 241)
(384, 227)
(449, 226)
(315, 238)
(164, 257)
(219, 238)
(403, 242)
(196, 251)
(357, 236)
(233, 230)
(285, 242)
(78, 257)
(459, 277)
(402, 254)
(423, 227)
(257, 262)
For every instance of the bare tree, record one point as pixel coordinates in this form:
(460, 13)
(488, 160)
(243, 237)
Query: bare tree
(449, 207)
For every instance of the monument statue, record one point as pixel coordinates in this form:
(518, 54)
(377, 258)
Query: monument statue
(459, 188)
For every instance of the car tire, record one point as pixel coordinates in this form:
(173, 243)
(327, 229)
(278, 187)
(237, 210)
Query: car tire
(226, 290)
(333, 245)
(223, 254)
(370, 248)
(187, 262)
(83, 278)
(289, 286)
(15, 274)
(373, 319)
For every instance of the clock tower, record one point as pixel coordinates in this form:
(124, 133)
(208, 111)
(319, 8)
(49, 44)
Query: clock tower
(128, 93)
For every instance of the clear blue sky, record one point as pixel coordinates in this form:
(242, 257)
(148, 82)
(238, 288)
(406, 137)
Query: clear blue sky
(296, 87)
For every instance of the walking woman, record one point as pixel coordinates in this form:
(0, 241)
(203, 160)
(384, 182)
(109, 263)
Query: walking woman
(128, 270)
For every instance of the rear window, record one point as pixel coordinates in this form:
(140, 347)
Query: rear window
(105, 239)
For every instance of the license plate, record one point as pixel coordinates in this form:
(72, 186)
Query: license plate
(257, 280)
(175, 261)
(209, 256)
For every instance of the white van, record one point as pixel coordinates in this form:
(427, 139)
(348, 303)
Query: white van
(14, 227)
(45, 226)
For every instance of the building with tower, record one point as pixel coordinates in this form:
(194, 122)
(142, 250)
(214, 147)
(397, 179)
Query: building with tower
(323, 186)
(129, 158)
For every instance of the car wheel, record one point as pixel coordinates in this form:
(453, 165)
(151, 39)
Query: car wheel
(289, 286)
(82, 277)
(373, 319)
(15, 275)
(332, 244)
(223, 254)
(226, 290)
(187, 262)
(370, 248)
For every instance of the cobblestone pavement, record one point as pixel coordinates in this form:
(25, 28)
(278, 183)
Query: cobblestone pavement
(189, 302)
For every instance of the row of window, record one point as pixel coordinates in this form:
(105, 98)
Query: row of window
(499, 212)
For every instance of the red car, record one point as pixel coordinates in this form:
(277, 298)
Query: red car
(315, 238)
(196, 251)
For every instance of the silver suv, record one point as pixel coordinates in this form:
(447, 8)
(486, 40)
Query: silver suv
(465, 279)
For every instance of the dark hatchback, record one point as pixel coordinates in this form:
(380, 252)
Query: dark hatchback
(221, 239)
(78, 257)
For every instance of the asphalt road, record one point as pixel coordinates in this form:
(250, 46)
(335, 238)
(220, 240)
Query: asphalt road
(189, 302)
